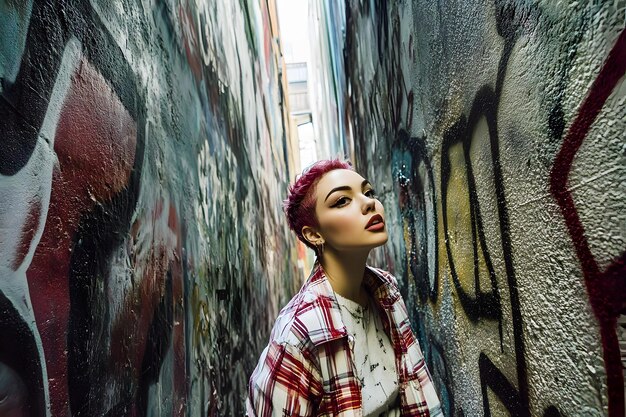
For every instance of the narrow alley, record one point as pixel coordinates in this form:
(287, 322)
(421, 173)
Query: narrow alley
(146, 149)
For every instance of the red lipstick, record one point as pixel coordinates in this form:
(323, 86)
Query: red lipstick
(375, 223)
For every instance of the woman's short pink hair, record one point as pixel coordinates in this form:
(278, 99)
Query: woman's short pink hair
(300, 203)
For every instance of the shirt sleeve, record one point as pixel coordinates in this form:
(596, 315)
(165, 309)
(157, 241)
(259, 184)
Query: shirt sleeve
(425, 400)
(284, 383)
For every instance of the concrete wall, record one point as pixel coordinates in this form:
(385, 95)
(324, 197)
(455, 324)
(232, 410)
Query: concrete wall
(143, 159)
(494, 131)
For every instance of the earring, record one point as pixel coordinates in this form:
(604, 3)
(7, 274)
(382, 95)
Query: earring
(319, 249)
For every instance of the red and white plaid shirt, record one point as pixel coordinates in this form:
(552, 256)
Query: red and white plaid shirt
(308, 368)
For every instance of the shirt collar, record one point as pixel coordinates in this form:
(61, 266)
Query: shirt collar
(327, 324)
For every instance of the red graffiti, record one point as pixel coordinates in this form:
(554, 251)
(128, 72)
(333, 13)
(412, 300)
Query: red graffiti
(190, 40)
(130, 332)
(95, 146)
(606, 290)
(179, 379)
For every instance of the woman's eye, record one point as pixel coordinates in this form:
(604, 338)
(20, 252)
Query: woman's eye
(370, 193)
(341, 202)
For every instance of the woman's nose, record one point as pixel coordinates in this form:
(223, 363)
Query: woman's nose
(369, 204)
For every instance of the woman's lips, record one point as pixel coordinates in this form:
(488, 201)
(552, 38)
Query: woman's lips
(376, 223)
(376, 227)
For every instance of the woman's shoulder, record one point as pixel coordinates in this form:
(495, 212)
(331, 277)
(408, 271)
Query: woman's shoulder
(287, 328)
(309, 318)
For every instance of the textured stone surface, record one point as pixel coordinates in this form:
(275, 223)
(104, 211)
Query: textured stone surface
(495, 131)
(143, 251)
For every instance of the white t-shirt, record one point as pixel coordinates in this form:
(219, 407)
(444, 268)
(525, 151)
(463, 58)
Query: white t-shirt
(374, 359)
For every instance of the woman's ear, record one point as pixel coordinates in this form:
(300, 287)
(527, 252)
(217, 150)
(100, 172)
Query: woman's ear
(312, 235)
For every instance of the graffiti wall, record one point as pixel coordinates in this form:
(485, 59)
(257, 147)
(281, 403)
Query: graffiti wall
(143, 160)
(496, 131)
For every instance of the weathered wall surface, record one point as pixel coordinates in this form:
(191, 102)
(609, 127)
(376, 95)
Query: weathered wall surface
(143, 161)
(495, 130)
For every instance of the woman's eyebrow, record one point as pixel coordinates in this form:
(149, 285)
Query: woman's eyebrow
(343, 187)
(346, 188)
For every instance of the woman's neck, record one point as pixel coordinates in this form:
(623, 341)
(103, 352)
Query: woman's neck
(345, 274)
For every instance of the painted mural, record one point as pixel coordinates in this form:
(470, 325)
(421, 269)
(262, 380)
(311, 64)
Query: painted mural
(496, 131)
(144, 157)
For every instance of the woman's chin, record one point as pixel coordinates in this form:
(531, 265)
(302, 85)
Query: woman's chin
(380, 241)
(383, 238)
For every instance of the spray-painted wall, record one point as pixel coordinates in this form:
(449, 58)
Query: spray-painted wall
(496, 132)
(143, 159)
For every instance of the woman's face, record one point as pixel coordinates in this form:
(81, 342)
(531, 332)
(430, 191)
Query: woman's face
(349, 215)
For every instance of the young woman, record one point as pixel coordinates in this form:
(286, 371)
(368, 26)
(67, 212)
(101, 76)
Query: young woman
(343, 345)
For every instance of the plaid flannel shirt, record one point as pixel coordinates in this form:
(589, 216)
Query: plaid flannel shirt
(307, 369)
